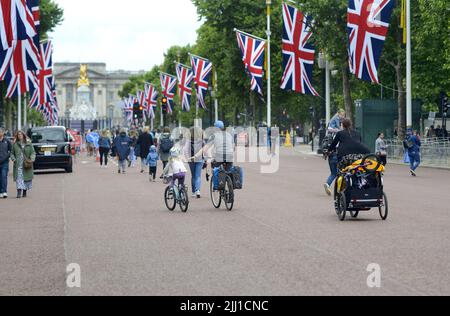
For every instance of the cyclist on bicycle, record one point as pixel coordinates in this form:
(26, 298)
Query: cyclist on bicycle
(176, 165)
(221, 144)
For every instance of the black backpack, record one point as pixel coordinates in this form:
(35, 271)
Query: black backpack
(326, 143)
(166, 145)
(408, 143)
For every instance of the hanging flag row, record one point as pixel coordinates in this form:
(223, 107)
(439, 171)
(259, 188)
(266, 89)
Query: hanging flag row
(26, 65)
(368, 25)
(198, 73)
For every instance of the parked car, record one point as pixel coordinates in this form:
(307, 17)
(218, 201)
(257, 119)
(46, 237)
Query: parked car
(53, 149)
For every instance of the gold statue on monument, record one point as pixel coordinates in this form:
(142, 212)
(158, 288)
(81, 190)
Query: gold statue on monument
(84, 80)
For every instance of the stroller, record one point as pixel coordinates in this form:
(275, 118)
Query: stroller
(359, 187)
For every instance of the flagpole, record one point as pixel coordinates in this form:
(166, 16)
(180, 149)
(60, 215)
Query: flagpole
(19, 111)
(269, 88)
(216, 101)
(409, 119)
(25, 114)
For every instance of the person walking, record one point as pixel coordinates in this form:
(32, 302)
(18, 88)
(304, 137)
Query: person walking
(144, 142)
(191, 148)
(23, 156)
(5, 154)
(334, 127)
(165, 144)
(413, 144)
(152, 162)
(122, 144)
(381, 149)
(104, 144)
(132, 155)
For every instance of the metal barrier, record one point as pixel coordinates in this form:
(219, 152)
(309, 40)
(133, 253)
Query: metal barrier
(434, 152)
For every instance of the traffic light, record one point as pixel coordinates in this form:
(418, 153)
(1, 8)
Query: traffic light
(164, 102)
(138, 111)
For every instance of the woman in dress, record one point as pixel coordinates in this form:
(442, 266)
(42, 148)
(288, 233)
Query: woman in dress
(23, 156)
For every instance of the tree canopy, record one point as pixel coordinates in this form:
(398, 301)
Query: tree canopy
(217, 41)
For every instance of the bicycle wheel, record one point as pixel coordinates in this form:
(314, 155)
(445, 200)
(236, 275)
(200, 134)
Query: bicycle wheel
(184, 200)
(342, 207)
(216, 196)
(384, 208)
(169, 198)
(228, 195)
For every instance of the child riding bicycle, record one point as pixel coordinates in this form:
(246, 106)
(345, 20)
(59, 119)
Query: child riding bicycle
(176, 166)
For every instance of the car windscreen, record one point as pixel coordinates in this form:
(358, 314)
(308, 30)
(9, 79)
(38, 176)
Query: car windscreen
(48, 136)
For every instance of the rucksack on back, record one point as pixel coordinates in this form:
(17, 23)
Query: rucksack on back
(166, 145)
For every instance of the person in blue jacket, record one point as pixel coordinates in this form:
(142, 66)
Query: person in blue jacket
(152, 162)
(413, 145)
(122, 144)
(104, 145)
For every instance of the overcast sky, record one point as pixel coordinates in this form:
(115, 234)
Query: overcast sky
(125, 34)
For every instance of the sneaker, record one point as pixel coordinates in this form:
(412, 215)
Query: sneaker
(327, 189)
(119, 171)
(5, 195)
(2, 195)
(194, 195)
(198, 194)
(413, 173)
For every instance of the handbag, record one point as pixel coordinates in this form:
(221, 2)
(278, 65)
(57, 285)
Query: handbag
(27, 163)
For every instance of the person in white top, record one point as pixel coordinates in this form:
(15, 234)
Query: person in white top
(176, 167)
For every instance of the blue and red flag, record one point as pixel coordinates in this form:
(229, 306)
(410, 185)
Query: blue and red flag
(253, 57)
(368, 26)
(202, 72)
(185, 77)
(151, 100)
(169, 88)
(43, 92)
(298, 53)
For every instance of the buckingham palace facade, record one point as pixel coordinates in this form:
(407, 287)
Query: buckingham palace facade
(103, 91)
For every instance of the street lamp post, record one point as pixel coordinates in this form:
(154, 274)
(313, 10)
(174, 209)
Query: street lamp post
(269, 88)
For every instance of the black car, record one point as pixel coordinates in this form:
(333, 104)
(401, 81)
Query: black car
(52, 146)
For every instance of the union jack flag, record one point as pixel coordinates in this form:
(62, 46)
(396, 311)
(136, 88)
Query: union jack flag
(16, 22)
(20, 83)
(127, 107)
(151, 100)
(23, 55)
(202, 71)
(169, 88)
(33, 6)
(140, 97)
(298, 54)
(368, 25)
(43, 93)
(185, 77)
(253, 57)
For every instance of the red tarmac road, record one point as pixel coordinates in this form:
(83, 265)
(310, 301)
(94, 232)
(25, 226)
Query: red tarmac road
(283, 237)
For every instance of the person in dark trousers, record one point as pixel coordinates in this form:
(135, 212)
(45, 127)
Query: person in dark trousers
(152, 162)
(334, 127)
(381, 149)
(413, 144)
(165, 144)
(104, 144)
(5, 153)
(123, 149)
(349, 146)
(144, 142)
